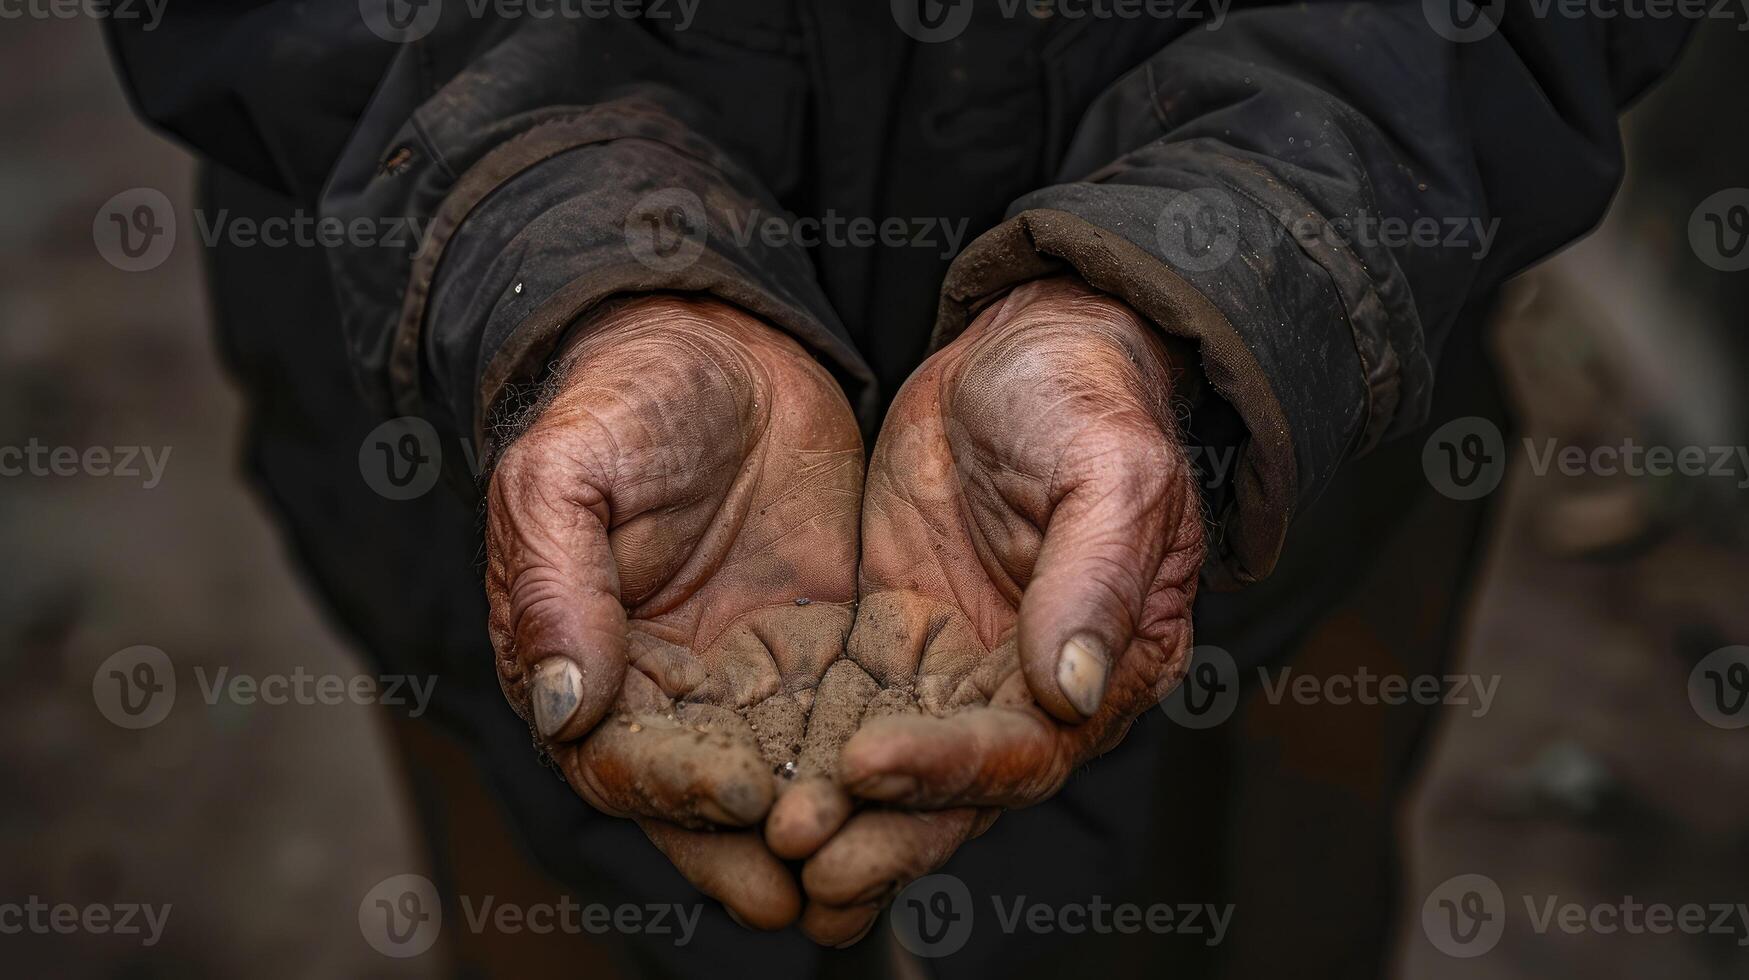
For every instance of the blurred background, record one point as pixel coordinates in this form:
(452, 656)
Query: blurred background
(262, 826)
(1598, 773)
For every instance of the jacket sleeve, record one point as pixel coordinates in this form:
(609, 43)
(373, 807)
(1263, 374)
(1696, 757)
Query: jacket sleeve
(496, 181)
(1309, 195)
(268, 90)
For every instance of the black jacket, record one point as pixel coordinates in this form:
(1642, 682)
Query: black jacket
(1063, 140)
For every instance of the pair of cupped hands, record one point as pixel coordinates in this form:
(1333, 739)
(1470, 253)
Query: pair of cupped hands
(720, 626)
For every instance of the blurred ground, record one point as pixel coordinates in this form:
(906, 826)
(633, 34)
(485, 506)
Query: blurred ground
(1594, 780)
(263, 826)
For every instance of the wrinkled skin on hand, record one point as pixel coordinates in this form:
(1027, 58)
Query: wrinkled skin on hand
(1031, 539)
(671, 553)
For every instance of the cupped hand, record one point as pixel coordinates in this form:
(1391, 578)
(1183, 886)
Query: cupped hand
(671, 546)
(1032, 535)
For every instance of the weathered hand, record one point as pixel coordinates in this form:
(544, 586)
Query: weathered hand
(1031, 540)
(671, 549)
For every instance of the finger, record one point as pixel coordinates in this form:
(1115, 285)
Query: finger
(690, 774)
(1102, 545)
(837, 927)
(807, 813)
(979, 756)
(733, 868)
(813, 806)
(879, 852)
(556, 621)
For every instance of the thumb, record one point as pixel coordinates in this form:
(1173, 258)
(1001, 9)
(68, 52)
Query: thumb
(558, 627)
(1102, 545)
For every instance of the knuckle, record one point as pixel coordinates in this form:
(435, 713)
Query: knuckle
(539, 607)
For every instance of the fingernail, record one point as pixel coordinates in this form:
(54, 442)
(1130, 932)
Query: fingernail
(556, 692)
(1081, 673)
(887, 786)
